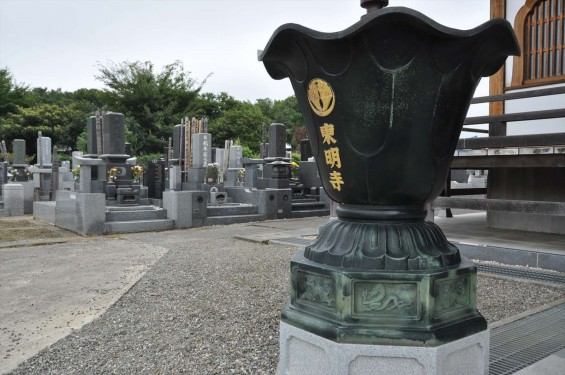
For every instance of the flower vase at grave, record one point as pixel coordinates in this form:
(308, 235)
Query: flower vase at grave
(384, 103)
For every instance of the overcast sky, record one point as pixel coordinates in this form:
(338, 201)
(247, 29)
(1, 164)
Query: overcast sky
(58, 43)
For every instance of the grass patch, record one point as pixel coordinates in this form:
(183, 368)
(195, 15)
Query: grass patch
(8, 235)
(9, 224)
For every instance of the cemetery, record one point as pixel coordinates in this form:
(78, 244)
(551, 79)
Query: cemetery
(348, 261)
(192, 185)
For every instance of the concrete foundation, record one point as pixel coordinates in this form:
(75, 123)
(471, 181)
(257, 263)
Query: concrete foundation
(303, 353)
(84, 213)
(533, 184)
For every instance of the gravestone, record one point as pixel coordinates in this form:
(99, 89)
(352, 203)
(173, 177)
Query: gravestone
(276, 172)
(236, 153)
(3, 173)
(305, 150)
(54, 175)
(114, 142)
(178, 144)
(44, 152)
(127, 149)
(277, 141)
(114, 156)
(18, 153)
(65, 173)
(219, 158)
(201, 150)
(4, 151)
(91, 138)
(19, 159)
(156, 178)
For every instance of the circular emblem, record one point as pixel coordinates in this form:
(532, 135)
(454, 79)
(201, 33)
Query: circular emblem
(321, 97)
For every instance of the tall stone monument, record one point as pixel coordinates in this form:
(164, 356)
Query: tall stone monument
(19, 159)
(44, 151)
(276, 171)
(113, 141)
(384, 102)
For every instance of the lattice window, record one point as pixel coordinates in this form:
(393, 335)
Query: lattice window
(540, 26)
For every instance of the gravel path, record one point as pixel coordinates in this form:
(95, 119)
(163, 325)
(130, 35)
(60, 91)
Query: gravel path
(211, 305)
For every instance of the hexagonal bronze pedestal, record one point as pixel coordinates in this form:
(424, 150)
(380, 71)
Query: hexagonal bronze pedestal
(424, 308)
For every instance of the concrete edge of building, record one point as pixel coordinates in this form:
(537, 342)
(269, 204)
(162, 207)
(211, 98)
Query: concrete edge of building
(529, 258)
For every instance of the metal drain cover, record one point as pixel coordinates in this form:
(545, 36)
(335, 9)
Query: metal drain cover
(517, 345)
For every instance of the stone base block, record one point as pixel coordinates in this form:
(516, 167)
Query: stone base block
(302, 352)
(13, 196)
(273, 183)
(186, 208)
(44, 211)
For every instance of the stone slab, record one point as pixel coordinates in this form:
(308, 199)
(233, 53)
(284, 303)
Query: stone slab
(29, 193)
(13, 197)
(303, 353)
(44, 211)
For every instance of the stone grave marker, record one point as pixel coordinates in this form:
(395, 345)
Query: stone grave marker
(277, 141)
(3, 173)
(54, 175)
(18, 153)
(305, 150)
(236, 153)
(156, 179)
(91, 139)
(114, 134)
(44, 152)
(201, 150)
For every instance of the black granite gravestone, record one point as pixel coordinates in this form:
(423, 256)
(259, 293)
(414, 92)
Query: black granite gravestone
(155, 178)
(277, 141)
(305, 150)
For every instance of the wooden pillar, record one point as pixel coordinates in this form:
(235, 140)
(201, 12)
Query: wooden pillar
(496, 83)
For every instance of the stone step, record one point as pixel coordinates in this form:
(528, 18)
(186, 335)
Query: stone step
(132, 215)
(233, 219)
(137, 226)
(232, 210)
(298, 206)
(131, 208)
(310, 213)
(304, 200)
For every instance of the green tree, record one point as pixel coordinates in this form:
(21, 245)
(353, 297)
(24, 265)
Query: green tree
(12, 94)
(154, 101)
(286, 112)
(214, 106)
(27, 122)
(242, 123)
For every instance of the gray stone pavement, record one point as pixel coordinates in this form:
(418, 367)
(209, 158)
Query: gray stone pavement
(47, 290)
